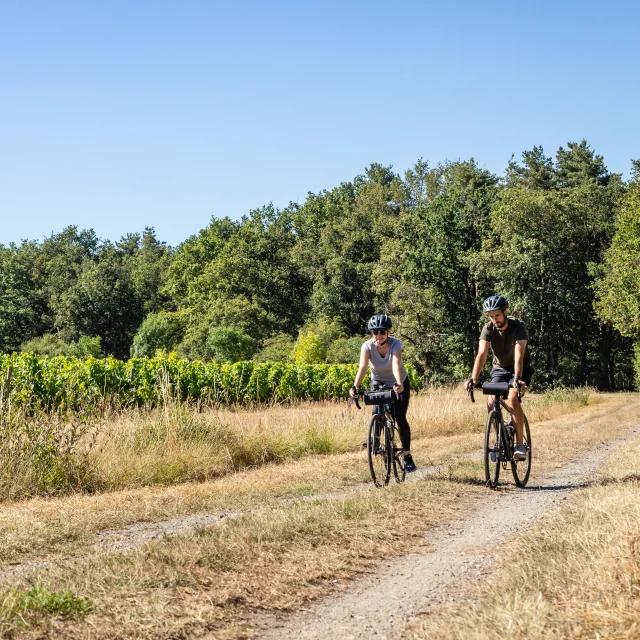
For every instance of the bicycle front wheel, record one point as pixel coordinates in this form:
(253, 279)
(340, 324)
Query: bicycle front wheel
(522, 468)
(399, 464)
(378, 452)
(492, 450)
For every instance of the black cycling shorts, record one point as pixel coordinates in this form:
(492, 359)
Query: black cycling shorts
(506, 375)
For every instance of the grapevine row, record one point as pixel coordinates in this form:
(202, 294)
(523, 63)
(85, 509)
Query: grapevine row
(72, 383)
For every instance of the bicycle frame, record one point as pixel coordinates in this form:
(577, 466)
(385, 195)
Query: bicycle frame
(505, 439)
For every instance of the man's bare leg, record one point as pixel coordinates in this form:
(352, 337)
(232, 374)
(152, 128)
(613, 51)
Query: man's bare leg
(518, 415)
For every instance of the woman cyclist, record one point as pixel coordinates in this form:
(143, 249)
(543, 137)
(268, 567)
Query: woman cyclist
(384, 354)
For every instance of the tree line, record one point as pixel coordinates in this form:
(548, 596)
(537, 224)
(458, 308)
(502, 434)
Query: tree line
(558, 236)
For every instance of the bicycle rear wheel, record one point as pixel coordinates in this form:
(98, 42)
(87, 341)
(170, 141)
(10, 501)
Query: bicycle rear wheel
(522, 468)
(379, 452)
(399, 464)
(492, 450)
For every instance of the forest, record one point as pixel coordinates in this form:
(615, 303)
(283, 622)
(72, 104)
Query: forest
(559, 236)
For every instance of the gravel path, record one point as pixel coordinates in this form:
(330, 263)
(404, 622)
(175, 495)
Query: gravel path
(379, 604)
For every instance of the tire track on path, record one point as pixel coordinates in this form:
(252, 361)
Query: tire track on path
(378, 605)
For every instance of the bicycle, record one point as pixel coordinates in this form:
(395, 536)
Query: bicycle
(499, 437)
(383, 454)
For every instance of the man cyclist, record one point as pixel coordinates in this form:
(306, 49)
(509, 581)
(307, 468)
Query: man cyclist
(507, 336)
(384, 354)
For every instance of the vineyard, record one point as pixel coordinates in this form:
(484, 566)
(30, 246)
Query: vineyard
(66, 382)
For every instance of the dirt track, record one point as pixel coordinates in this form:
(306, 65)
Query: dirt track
(378, 605)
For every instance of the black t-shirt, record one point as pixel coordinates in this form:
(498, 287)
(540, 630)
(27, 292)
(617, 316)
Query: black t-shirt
(503, 343)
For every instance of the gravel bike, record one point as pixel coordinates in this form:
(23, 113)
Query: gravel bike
(499, 436)
(385, 457)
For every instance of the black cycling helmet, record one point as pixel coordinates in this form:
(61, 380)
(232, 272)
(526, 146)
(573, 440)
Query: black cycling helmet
(495, 303)
(379, 321)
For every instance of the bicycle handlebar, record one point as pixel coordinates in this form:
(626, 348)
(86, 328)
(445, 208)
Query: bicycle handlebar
(514, 384)
(354, 399)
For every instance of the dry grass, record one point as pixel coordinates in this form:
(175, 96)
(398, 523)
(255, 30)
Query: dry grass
(577, 575)
(177, 444)
(215, 581)
(68, 524)
(52, 454)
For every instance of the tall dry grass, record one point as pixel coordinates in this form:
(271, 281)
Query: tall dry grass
(178, 444)
(52, 453)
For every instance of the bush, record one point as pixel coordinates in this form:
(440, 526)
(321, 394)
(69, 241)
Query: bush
(52, 344)
(72, 383)
(308, 349)
(345, 350)
(276, 349)
(159, 331)
(230, 345)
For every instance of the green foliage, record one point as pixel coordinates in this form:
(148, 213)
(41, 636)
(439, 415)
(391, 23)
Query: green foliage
(160, 330)
(70, 383)
(557, 235)
(619, 287)
(53, 345)
(276, 349)
(437, 292)
(344, 351)
(230, 345)
(19, 608)
(308, 349)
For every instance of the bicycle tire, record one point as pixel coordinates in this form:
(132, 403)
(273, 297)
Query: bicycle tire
(378, 452)
(399, 464)
(522, 468)
(492, 449)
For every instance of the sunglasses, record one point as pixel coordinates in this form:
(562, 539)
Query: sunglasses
(380, 332)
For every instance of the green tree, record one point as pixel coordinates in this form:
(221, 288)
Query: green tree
(275, 349)
(159, 331)
(618, 289)
(24, 309)
(226, 344)
(341, 233)
(437, 291)
(308, 349)
(102, 302)
(52, 344)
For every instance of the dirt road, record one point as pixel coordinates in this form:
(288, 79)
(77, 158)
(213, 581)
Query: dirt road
(379, 604)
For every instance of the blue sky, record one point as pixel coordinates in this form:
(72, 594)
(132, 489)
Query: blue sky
(120, 115)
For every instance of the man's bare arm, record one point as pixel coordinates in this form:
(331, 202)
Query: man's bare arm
(519, 357)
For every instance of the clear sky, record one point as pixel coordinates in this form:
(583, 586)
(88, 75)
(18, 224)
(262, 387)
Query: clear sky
(124, 114)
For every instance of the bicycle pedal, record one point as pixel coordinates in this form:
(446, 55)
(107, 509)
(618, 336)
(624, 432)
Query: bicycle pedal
(493, 456)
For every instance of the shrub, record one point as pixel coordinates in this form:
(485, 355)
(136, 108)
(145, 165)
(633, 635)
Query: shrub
(72, 383)
(230, 345)
(308, 349)
(159, 331)
(345, 350)
(276, 349)
(52, 344)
